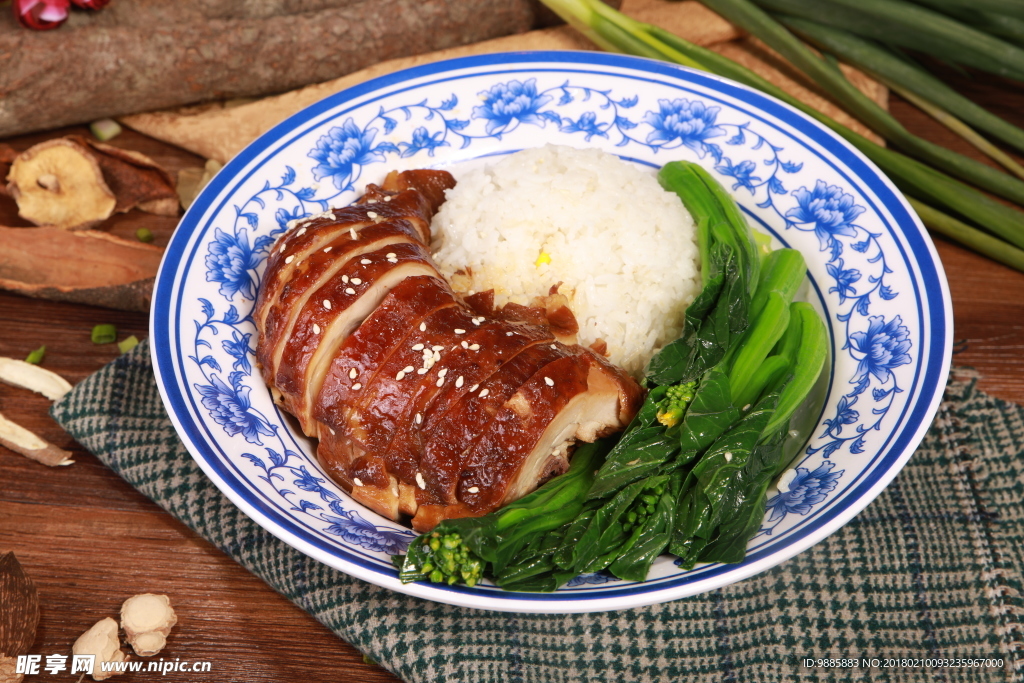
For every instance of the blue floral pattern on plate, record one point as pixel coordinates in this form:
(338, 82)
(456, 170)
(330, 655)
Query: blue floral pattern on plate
(861, 277)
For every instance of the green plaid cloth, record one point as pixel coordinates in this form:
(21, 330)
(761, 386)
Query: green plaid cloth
(931, 569)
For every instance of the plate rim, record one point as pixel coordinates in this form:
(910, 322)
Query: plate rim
(823, 525)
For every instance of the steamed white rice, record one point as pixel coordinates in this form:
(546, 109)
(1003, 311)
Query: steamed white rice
(623, 248)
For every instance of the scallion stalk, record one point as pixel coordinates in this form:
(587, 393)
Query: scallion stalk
(911, 26)
(900, 73)
(928, 186)
(749, 17)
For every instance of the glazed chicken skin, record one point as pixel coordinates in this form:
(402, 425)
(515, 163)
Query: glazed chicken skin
(424, 406)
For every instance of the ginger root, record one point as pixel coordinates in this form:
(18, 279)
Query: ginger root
(28, 376)
(147, 620)
(101, 640)
(27, 443)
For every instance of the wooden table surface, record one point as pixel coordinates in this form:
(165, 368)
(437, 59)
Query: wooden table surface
(89, 540)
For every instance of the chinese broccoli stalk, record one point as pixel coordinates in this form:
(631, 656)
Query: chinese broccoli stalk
(955, 209)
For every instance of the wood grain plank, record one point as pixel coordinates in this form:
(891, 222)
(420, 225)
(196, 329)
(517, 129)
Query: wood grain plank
(89, 540)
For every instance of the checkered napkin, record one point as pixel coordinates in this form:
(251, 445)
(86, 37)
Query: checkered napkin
(931, 569)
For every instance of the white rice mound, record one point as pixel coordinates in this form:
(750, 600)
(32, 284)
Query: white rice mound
(623, 249)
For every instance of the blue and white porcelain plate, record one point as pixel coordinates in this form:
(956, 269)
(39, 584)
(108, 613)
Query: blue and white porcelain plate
(874, 275)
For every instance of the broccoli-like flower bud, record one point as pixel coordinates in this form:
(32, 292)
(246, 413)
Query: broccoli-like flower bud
(672, 407)
(441, 558)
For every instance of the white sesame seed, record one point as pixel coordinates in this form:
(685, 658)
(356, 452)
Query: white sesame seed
(728, 456)
(423, 327)
(483, 394)
(550, 382)
(328, 249)
(746, 407)
(331, 430)
(408, 369)
(422, 371)
(508, 334)
(284, 246)
(473, 489)
(443, 372)
(419, 418)
(473, 388)
(352, 233)
(352, 374)
(554, 452)
(400, 375)
(419, 481)
(476, 321)
(458, 382)
(418, 347)
(392, 260)
(316, 329)
(388, 198)
(344, 278)
(391, 254)
(356, 281)
(327, 304)
(474, 347)
(440, 381)
(349, 290)
(554, 346)
(437, 348)
(436, 356)
(459, 331)
(371, 201)
(371, 214)
(357, 482)
(289, 259)
(301, 232)
(357, 386)
(465, 344)
(366, 261)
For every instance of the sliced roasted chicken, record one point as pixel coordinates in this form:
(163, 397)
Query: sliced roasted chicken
(425, 406)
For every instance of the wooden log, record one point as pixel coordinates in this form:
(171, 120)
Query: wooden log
(153, 54)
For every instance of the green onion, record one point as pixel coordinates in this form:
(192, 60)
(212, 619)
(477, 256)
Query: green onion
(925, 184)
(1012, 8)
(36, 357)
(899, 73)
(144, 235)
(911, 26)
(990, 246)
(105, 129)
(104, 334)
(910, 176)
(750, 18)
(128, 344)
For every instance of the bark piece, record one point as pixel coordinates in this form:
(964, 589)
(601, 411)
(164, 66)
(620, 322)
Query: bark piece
(19, 616)
(60, 183)
(136, 180)
(88, 267)
(168, 54)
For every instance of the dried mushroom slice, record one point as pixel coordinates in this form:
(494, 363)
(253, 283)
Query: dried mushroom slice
(59, 183)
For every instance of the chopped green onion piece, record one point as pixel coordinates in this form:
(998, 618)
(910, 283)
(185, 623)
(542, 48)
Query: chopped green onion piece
(36, 357)
(104, 334)
(144, 235)
(105, 129)
(128, 344)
